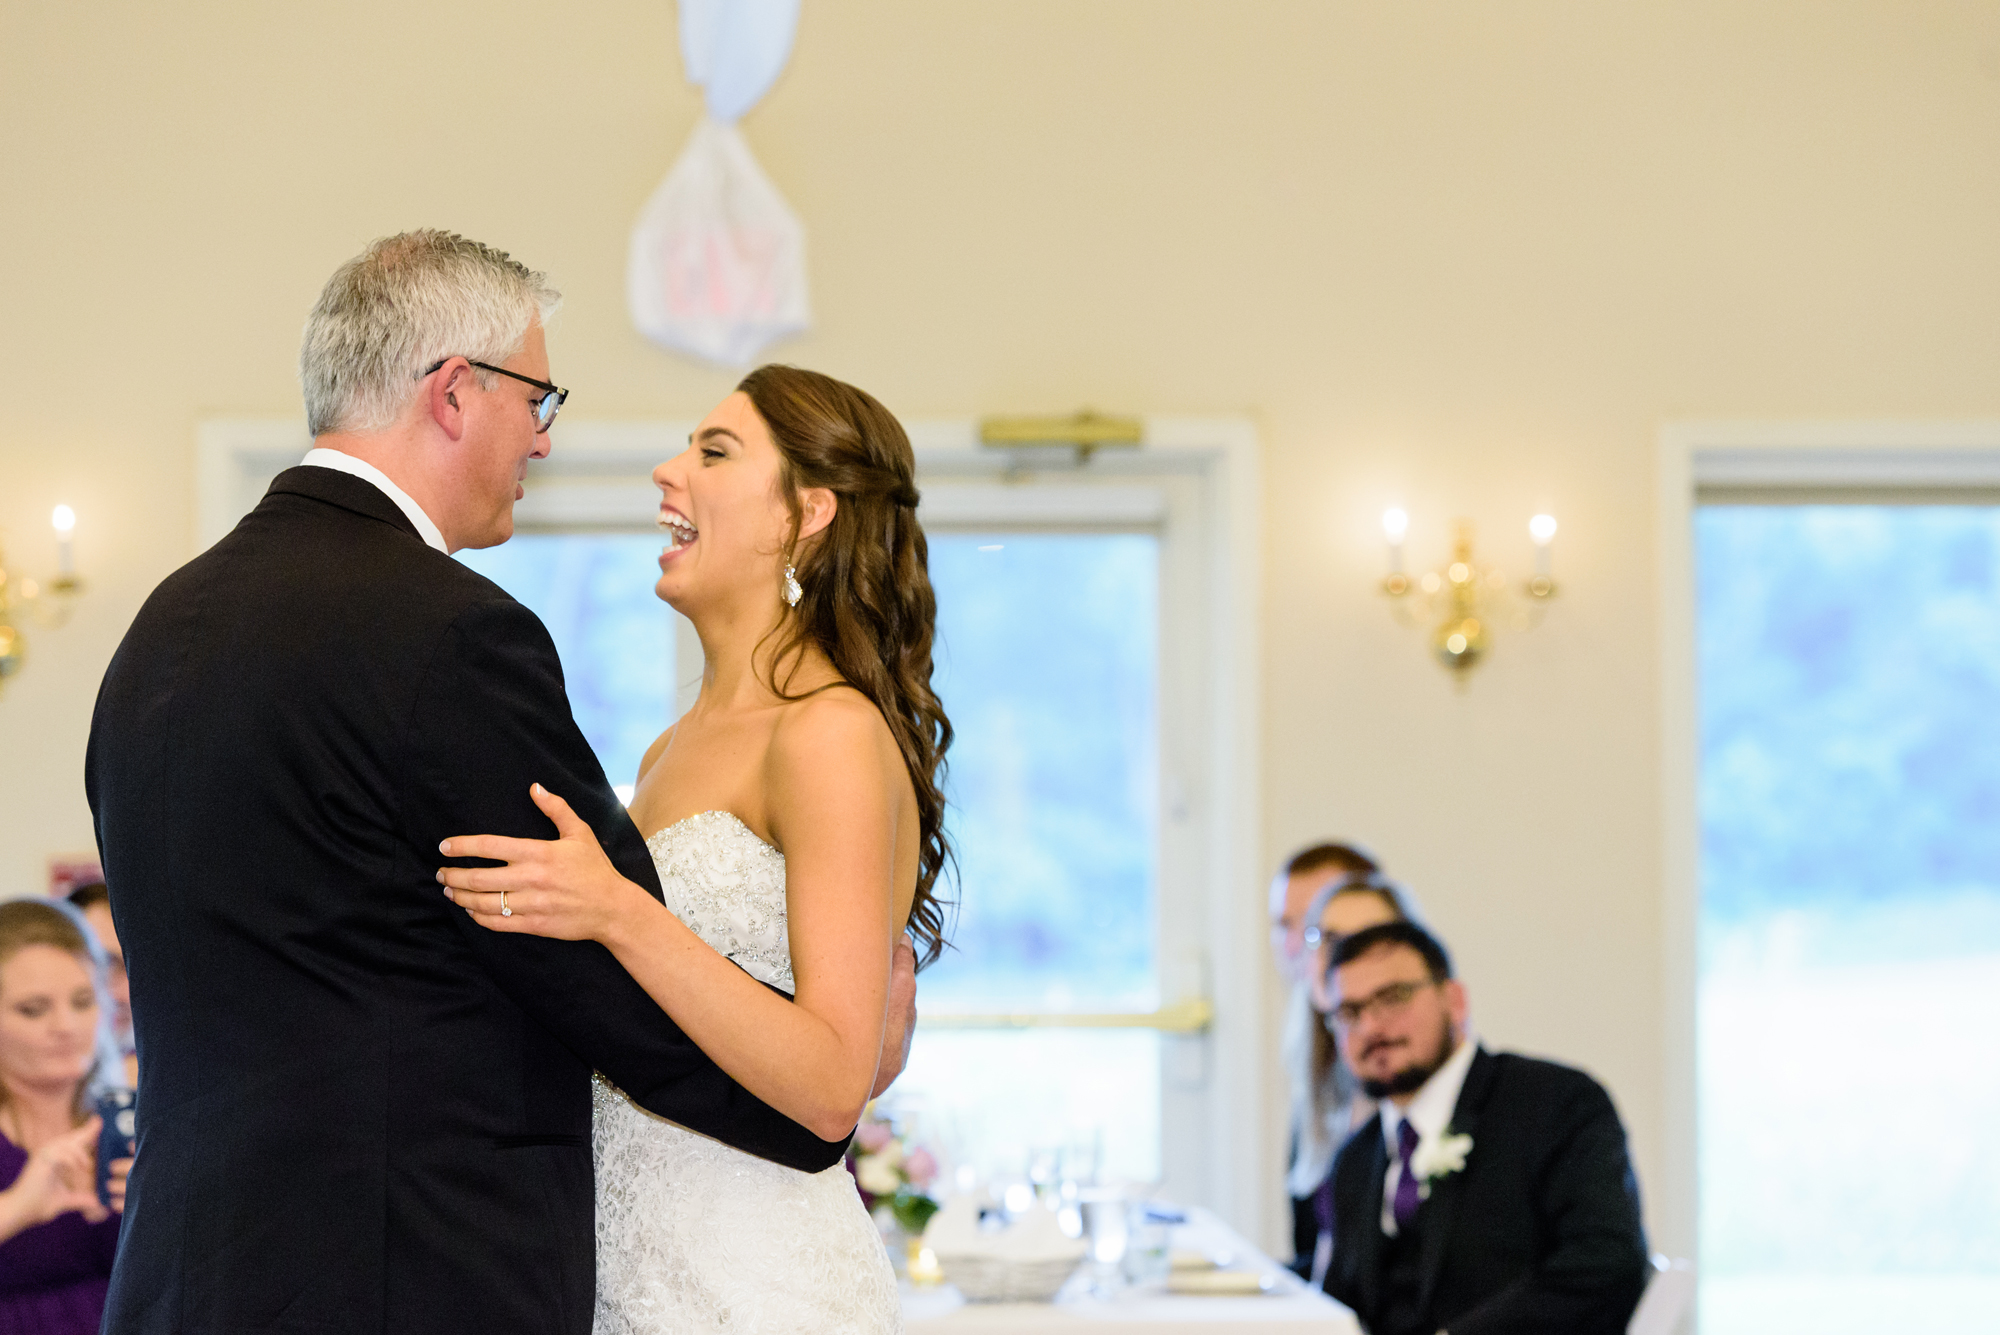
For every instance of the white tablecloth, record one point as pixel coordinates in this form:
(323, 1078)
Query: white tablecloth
(1292, 1308)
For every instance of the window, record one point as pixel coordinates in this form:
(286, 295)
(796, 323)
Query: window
(1048, 664)
(1097, 631)
(1849, 973)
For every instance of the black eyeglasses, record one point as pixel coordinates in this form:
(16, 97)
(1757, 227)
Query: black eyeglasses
(1389, 1000)
(546, 407)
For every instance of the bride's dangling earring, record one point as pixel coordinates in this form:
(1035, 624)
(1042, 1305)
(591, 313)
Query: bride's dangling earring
(792, 590)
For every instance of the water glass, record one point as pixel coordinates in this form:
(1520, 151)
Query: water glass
(1146, 1238)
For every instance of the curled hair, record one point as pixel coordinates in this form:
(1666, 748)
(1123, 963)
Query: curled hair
(867, 602)
(37, 922)
(406, 302)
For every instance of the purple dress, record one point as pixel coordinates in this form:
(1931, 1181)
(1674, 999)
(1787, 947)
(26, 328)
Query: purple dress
(53, 1276)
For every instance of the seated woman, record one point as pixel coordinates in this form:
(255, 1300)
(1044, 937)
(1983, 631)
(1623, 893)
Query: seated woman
(56, 1238)
(1339, 1106)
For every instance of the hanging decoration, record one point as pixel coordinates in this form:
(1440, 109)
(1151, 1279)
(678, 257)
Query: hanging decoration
(717, 267)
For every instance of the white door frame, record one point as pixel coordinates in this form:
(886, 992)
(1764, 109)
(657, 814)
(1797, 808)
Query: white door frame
(1786, 461)
(599, 469)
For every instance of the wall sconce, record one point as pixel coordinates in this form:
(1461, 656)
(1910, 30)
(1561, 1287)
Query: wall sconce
(47, 604)
(1459, 602)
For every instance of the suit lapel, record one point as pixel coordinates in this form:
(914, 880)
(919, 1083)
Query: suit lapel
(1364, 1230)
(1441, 1209)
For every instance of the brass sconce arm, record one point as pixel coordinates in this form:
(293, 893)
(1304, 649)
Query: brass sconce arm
(48, 604)
(1459, 602)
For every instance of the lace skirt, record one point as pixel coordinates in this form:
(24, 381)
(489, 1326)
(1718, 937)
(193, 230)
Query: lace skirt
(693, 1235)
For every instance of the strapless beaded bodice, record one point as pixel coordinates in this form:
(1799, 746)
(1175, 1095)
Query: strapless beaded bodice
(729, 886)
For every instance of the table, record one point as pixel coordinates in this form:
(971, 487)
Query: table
(1293, 1308)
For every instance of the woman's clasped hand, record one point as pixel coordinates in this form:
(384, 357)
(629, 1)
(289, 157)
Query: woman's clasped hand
(61, 1177)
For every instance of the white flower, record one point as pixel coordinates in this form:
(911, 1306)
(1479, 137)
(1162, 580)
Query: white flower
(1438, 1156)
(877, 1175)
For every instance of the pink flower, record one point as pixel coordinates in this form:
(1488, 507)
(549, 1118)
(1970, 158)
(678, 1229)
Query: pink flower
(872, 1135)
(921, 1167)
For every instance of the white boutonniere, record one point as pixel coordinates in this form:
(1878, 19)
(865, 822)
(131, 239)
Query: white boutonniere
(1436, 1157)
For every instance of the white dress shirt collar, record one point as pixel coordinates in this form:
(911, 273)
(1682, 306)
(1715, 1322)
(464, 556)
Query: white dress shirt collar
(367, 472)
(1429, 1112)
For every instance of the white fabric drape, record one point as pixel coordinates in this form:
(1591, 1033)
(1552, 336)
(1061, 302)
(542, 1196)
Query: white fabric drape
(735, 49)
(717, 262)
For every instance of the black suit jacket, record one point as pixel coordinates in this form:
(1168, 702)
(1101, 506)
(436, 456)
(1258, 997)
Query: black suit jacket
(1538, 1233)
(358, 1111)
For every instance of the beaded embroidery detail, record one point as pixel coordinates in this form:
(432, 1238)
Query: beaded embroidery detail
(692, 1235)
(729, 886)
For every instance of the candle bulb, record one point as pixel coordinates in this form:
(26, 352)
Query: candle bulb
(64, 520)
(1395, 523)
(1542, 528)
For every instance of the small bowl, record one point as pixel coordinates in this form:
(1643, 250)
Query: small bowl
(983, 1279)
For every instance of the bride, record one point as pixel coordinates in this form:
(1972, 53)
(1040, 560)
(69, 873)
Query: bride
(796, 819)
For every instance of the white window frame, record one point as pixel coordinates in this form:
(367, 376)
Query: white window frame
(1854, 462)
(597, 477)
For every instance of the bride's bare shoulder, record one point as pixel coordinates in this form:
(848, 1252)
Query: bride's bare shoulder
(832, 732)
(836, 715)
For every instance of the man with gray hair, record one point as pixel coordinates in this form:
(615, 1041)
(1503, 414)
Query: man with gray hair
(358, 1110)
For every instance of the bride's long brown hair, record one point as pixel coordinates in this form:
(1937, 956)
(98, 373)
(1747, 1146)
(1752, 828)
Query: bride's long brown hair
(867, 602)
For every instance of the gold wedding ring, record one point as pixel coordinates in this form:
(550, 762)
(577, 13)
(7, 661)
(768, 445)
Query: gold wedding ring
(505, 912)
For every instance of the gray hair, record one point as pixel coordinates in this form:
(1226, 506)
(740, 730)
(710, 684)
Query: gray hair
(406, 302)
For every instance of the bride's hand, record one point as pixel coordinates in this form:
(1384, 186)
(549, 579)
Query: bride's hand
(563, 887)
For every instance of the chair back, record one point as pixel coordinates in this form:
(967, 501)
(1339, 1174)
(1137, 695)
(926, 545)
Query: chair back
(1669, 1294)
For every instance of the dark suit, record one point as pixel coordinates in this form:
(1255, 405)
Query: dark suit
(358, 1111)
(1539, 1232)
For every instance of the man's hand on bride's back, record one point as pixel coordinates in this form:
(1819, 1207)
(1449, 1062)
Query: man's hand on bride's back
(563, 887)
(902, 1019)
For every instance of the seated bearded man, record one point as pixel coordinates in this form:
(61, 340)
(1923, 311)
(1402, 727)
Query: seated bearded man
(1491, 1192)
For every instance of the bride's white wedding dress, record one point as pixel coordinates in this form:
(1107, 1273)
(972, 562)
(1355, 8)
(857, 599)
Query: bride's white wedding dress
(693, 1235)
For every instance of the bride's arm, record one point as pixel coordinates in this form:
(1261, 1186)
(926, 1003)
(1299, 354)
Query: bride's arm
(832, 779)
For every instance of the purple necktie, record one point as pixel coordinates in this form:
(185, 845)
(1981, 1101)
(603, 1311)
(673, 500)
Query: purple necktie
(1407, 1197)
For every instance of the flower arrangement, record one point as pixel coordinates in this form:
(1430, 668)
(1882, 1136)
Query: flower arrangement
(893, 1173)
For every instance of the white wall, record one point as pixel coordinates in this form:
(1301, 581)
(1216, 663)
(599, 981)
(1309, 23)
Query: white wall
(1462, 257)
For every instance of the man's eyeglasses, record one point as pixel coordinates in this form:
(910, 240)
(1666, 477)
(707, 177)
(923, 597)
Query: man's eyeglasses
(546, 407)
(1388, 1000)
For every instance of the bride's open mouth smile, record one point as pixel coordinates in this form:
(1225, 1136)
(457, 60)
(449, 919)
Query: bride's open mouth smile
(681, 533)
